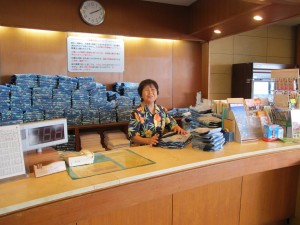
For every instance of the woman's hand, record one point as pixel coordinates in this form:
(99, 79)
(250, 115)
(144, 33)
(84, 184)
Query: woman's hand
(154, 140)
(179, 130)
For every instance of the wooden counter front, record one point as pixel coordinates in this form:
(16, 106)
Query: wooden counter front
(211, 187)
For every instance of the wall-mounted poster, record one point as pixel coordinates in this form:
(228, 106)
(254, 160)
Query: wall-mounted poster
(90, 54)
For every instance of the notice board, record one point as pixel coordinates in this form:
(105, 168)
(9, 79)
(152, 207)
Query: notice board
(91, 54)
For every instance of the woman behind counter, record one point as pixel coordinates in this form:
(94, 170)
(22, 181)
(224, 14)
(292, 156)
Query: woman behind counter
(149, 120)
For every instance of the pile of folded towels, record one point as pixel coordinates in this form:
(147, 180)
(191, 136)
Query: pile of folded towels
(208, 139)
(115, 139)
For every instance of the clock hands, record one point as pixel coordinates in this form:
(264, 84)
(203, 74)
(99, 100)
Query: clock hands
(95, 11)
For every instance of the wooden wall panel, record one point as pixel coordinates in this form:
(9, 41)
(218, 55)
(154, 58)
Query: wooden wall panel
(158, 212)
(298, 46)
(29, 51)
(269, 196)
(217, 204)
(168, 62)
(125, 17)
(187, 78)
(150, 59)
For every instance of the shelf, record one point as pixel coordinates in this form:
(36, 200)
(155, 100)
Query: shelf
(102, 127)
(89, 126)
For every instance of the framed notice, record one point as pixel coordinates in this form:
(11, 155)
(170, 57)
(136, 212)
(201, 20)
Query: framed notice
(86, 54)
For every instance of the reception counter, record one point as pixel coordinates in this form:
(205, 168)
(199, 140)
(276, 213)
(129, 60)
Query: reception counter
(249, 183)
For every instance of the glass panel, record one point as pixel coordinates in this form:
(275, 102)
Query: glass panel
(263, 89)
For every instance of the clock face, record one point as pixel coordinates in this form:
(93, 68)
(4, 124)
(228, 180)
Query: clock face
(92, 12)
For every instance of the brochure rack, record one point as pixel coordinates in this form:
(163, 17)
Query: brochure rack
(236, 118)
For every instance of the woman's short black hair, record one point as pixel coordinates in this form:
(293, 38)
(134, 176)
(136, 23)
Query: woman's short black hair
(145, 83)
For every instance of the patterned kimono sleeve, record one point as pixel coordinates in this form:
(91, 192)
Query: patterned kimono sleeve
(170, 121)
(134, 124)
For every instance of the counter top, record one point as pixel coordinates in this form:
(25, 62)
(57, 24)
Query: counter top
(29, 192)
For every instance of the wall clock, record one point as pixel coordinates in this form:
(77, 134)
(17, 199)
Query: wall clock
(92, 12)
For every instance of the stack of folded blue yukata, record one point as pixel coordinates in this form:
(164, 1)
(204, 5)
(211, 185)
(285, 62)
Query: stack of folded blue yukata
(80, 99)
(107, 112)
(74, 116)
(4, 98)
(124, 108)
(47, 81)
(90, 116)
(208, 139)
(20, 98)
(12, 116)
(209, 120)
(86, 83)
(98, 96)
(33, 114)
(172, 140)
(67, 83)
(51, 114)
(25, 80)
(69, 146)
(61, 99)
(42, 98)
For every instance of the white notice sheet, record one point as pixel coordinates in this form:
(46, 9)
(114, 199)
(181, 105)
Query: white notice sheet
(11, 153)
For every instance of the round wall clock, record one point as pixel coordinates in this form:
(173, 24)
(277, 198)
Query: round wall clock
(92, 12)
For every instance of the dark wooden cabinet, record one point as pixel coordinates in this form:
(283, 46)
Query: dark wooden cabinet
(246, 76)
(298, 46)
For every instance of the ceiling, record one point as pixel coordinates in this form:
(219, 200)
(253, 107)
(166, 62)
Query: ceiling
(289, 22)
(174, 2)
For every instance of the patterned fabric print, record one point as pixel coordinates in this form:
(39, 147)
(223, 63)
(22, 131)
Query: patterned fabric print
(145, 124)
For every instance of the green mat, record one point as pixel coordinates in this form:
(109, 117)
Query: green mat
(109, 161)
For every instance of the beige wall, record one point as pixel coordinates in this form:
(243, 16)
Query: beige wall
(272, 44)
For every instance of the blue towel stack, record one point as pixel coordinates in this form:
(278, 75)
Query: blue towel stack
(4, 97)
(194, 117)
(51, 114)
(61, 99)
(74, 116)
(112, 95)
(128, 89)
(108, 113)
(14, 116)
(172, 140)
(90, 116)
(69, 146)
(20, 98)
(47, 81)
(208, 139)
(33, 114)
(98, 96)
(117, 87)
(132, 93)
(124, 108)
(177, 112)
(25, 80)
(80, 99)
(42, 97)
(67, 83)
(86, 83)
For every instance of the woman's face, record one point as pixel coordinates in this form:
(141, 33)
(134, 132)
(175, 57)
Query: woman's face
(149, 94)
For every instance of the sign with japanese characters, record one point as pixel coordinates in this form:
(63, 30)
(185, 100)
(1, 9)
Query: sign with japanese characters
(87, 54)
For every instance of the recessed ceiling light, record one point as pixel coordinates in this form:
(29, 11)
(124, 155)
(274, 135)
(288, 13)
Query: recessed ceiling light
(216, 31)
(258, 18)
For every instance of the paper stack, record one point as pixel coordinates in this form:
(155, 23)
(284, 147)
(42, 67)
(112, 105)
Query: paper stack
(115, 139)
(91, 141)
